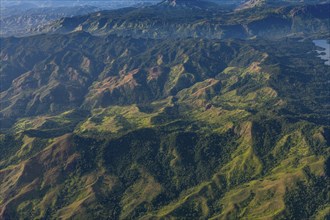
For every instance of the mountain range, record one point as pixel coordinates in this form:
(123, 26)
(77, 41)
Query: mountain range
(177, 110)
(178, 22)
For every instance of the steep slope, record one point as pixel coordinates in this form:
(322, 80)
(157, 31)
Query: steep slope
(102, 73)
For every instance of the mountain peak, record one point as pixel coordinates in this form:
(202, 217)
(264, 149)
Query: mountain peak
(201, 4)
(170, 2)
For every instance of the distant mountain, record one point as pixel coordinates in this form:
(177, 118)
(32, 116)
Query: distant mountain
(20, 21)
(71, 3)
(98, 3)
(19, 17)
(268, 3)
(180, 19)
(198, 4)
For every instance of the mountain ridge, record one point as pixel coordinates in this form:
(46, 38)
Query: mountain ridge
(182, 23)
(272, 3)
